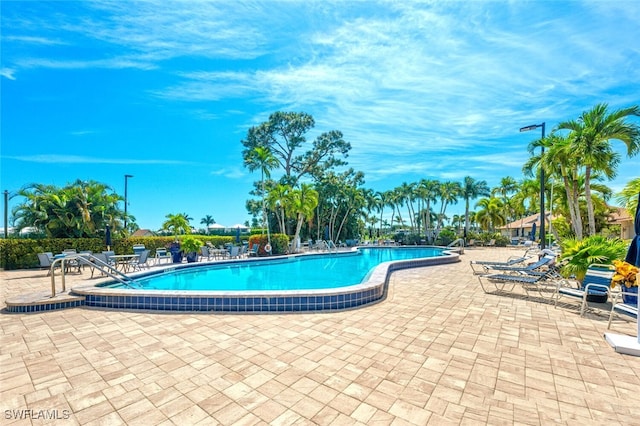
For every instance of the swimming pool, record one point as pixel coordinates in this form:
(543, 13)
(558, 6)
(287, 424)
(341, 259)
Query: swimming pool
(292, 273)
(333, 281)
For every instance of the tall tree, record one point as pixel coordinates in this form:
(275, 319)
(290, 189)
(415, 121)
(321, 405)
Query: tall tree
(284, 135)
(429, 190)
(261, 158)
(472, 189)
(301, 203)
(449, 193)
(591, 135)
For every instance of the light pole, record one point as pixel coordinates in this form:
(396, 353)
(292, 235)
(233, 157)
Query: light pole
(126, 177)
(6, 214)
(543, 235)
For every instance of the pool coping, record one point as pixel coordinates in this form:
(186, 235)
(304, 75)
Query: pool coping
(374, 289)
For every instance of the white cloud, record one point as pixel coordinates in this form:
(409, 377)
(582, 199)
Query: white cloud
(8, 73)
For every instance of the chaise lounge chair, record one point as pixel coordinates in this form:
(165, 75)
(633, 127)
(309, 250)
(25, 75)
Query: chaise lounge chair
(542, 283)
(532, 269)
(482, 266)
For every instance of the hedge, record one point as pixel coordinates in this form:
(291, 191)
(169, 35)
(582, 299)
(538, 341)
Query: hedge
(23, 253)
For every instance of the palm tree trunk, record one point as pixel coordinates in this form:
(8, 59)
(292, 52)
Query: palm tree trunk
(576, 204)
(587, 194)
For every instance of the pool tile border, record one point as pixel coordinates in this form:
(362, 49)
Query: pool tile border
(371, 291)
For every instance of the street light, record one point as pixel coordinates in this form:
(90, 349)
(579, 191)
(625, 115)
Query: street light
(6, 214)
(125, 199)
(542, 213)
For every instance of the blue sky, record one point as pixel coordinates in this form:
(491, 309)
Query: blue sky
(165, 91)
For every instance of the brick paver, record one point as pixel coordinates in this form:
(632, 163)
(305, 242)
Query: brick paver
(437, 351)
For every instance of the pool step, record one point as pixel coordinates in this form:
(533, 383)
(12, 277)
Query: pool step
(43, 302)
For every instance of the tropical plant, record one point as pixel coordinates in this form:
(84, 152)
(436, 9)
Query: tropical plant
(302, 202)
(628, 197)
(80, 209)
(190, 244)
(491, 213)
(626, 274)
(577, 255)
(177, 224)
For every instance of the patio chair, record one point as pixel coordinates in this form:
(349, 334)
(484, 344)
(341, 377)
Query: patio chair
(595, 288)
(138, 248)
(46, 259)
(491, 243)
(234, 252)
(620, 307)
(136, 264)
(204, 252)
(101, 257)
(254, 250)
(162, 254)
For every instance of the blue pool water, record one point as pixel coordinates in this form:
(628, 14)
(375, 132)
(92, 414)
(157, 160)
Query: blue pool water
(294, 273)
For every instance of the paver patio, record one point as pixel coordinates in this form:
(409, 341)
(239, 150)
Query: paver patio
(437, 351)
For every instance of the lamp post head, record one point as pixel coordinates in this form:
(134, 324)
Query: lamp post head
(531, 127)
(128, 176)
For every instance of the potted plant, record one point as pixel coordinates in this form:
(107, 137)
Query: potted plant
(191, 246)
(627, 277)
(176, 252)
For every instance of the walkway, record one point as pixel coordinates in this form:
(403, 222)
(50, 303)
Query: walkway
(437, 351)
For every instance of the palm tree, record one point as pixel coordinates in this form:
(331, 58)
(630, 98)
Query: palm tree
(472, 189)
(407, 191)
(80, 209)
(429, 190)
(301, 203)
(507, 187)
(591, 135)
(177, 224)
(449, 192)
(206, 221)
(277, 202)
(560, 162)
(261, 158)
(491, 213)
(628, 197)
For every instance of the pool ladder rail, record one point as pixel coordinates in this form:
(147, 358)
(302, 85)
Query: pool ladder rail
(91, 261)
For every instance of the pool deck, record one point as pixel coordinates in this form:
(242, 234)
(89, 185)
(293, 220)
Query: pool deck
(438, 350)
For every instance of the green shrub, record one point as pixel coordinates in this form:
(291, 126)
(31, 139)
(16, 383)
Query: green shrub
(446, 237)
(578, 255)
(279, 243)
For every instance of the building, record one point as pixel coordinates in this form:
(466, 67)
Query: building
(622, 217)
